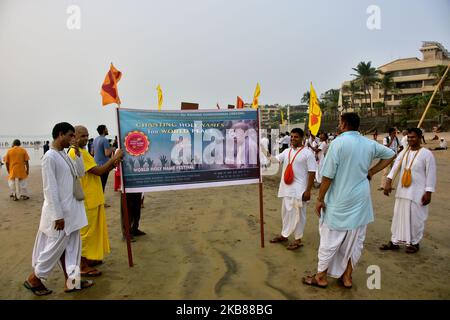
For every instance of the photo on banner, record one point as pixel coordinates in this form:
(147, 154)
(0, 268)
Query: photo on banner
(188, 149)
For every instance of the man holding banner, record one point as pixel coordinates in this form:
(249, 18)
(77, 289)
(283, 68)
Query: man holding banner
(295, 190)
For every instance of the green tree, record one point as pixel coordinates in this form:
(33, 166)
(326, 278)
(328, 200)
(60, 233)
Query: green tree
(443, 94)
(330, 101)
(352, 88)
(306, 97)
(387, 84)
(367, 76)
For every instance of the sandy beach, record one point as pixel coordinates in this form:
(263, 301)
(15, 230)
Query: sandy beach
(205, 244)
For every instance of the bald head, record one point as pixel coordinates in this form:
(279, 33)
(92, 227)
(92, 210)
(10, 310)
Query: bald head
(81, 136)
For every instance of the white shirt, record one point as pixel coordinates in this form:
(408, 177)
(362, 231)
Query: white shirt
(323, 147)
(404, 142)
(59, 202)
(423, 173)
(304, 162)
(443, 144)
(393, 145)
(286, 140)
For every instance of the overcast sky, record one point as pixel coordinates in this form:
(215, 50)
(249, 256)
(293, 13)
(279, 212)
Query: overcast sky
(204, 51)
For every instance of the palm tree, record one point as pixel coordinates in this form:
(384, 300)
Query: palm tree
(306, 97)
(366, 75)
(352, 88)
(387, 84)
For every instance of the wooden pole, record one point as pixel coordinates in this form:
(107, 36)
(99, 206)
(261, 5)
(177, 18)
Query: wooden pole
(126, 222)
(261, 213)
(432, 96)
(261, 202)
(126, 219)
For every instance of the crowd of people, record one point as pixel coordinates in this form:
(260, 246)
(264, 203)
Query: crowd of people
(343, 169)
(73, 230)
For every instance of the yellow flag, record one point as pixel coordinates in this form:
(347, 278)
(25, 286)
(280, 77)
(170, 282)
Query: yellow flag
(255, 96)
(315, 114)
(160, 97)
(282, 117)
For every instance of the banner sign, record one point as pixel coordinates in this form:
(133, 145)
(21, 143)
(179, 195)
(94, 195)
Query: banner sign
(188, 149)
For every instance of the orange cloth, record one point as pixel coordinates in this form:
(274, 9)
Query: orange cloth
(16, 158)
(109, 87)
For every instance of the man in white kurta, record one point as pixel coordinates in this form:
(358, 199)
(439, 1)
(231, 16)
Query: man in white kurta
(296, 194)
(344, 204)
(58, 238)
(411, 202)
(321, 152)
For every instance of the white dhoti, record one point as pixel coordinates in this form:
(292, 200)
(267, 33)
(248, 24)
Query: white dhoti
(47, 252)
(293, 217)
(338, 247)
(408, 222)
(18, 187)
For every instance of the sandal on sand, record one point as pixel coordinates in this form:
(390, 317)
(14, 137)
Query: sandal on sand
(311, 281)
(279, 238)
(389, 246)
(83, 285)
(39, 290)
(412, 248)
(294, 245)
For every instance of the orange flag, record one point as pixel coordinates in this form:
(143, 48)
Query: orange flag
(109, 87)
(239, 103)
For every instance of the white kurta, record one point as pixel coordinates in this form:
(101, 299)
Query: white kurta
(323, 147)
(410, 215)
(293, 209)
(59, 202)
(304, 162)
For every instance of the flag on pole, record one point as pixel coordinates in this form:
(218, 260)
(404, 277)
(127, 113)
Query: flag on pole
(239, 103)
(315, 114)
(282, 116)
(255, 96)
(109, 87)
(160, 97)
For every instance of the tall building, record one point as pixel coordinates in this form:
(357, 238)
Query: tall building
(411, 76)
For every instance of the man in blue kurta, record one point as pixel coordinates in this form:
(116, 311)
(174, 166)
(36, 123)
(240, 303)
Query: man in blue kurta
(344, 204)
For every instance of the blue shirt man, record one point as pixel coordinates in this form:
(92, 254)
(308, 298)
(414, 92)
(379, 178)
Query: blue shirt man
(344, 202)
(348, 201)
(102, 151)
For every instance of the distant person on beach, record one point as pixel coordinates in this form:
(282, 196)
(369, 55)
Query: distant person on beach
(413, 194)
(344, 204)
(423, 135)
(90, 146)
(320, 154)
(134, 203)
(46, 146)
(375, 135)
(102, 151)
(295, 190)
(391, 141)
(58, 238)
(18, 168)
(94, 236)
(442, 145)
